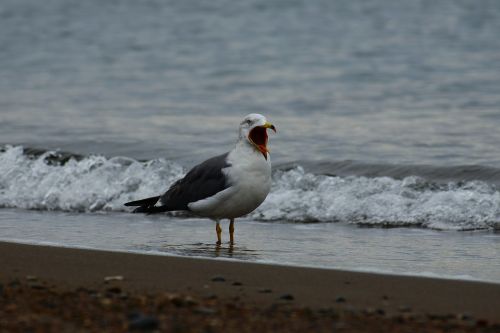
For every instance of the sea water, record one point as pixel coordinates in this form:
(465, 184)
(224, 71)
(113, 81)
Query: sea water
(386, 156)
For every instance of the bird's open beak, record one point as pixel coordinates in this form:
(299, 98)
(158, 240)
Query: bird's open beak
(269, 125)
(258, 136)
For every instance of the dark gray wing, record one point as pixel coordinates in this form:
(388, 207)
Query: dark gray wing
(202, 181)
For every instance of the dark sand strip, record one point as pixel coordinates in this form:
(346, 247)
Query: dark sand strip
(256, 285)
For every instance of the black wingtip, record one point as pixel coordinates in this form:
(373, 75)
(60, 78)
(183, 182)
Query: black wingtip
(143, 202)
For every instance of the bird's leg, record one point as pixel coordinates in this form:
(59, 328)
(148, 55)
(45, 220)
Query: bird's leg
(231, 231)
(219, 232)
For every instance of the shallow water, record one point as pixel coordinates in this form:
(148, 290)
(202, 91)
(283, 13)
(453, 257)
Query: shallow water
(387, 116)
(466, 255)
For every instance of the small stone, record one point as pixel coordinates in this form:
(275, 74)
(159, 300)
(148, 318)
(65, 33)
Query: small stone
(106, 302)
(114, 290)
(113, 278)
(340, 299)
(287, 297)
(143, 323)
(190, 301)
(265, 291)
(31, 278)
(37, 286)
(218, 279)
(205, 311)
(236, 283)
(340, 325)
(83, 290)
(464, 316)
(14, 283)
(211, 296)
(134, 315)
(10, 307)
(177, 301)
(385, 297)
(404, 308)
(47, 304)
(369, 311)
(95, 294)
(481, 323)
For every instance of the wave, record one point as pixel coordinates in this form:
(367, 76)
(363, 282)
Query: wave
(48, 180)
(61, 181)
(382, 201)
(437, 174)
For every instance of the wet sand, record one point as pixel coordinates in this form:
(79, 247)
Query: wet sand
(59, 289)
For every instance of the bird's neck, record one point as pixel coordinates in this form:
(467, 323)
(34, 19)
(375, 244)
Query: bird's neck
(250, 149)
(243, 145)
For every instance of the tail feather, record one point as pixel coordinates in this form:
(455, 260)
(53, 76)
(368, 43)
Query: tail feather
(144, 202)
(146, 205)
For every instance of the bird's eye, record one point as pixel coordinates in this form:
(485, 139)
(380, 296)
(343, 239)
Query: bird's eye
(249, 122)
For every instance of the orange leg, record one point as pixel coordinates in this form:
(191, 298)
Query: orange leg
(231, 231)
(219, 232)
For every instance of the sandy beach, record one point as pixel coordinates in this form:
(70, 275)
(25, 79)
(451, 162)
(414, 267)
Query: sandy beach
(60, 289)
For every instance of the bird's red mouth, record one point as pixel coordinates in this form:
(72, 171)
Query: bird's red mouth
(258, 136)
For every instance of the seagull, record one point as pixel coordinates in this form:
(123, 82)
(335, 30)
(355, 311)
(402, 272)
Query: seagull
(227, 186)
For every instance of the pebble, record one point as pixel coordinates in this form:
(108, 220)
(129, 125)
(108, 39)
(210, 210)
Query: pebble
(287, 297)
(83, 290)
(10, 307)
(464, 316)
(340, 325)
(369, 311)
(37, 286)
(141, 322)
(205, 311)
(190, 301)
(14, 283)
(340, 299)
(105, 302)
(177, 301)
(48, 304)
(481, 323)
(113, 278)
(404, 308)
(236, 283)
(114, 290)
(265, 291)
(218, 279)
(211, 296)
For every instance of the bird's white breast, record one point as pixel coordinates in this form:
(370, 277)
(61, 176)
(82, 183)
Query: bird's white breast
(249, 174)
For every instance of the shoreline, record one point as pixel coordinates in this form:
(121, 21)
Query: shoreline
(255, 285)
(463, 278)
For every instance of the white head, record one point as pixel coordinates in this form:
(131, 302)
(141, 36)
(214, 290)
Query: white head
(253, 130)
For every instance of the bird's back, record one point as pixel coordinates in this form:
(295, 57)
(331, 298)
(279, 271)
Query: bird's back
(202, 181)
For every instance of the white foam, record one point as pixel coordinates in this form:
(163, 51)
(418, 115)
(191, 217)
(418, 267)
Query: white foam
(304, 197)
(97, 183)
(91, 184)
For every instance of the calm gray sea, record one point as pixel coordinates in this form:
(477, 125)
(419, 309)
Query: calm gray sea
(386, 156)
